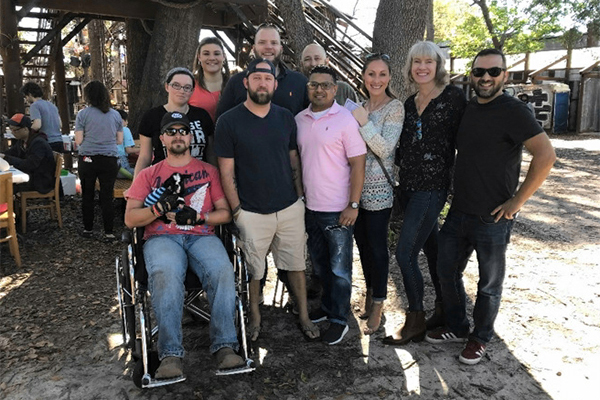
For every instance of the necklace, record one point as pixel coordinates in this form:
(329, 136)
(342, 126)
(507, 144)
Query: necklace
(422, 103)
(370, 108)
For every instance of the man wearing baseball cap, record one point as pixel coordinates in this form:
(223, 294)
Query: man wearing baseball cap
(260, 172)
(186, 239)
(31, 154)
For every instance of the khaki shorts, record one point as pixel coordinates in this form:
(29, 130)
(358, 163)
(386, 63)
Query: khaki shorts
(283, 232)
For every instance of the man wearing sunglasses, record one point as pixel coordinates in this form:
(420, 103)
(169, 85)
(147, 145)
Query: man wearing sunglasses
(333, 157)
(490, 141)
(186, 239)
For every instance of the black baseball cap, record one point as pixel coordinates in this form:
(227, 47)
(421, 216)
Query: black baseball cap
(174, 118)
(253, 67)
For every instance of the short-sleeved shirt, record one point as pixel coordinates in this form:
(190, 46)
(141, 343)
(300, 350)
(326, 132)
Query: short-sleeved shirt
(490, 146)
(202, 190)
(345, 92)
(99, 131)
(127, 142)
(290, 93)
(325, 145)
(261, 149)
(206, 100)
(48, 114)
(201, 126)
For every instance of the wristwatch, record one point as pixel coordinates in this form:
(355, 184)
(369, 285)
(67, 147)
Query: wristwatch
(354, 205)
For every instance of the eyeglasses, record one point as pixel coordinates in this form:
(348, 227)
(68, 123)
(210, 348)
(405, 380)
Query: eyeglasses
(493, 72)
(383, 56)
(312, 85)
(175, 131)
(177, 86)
(419, 129)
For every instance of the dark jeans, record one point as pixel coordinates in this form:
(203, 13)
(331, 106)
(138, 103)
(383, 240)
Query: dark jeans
(104, 169)
(330, 250)
(460, 234)
(419, 231)
(371, 235)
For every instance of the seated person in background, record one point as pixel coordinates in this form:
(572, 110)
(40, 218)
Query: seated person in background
(126, 148)
(186, 240)
(31, 154)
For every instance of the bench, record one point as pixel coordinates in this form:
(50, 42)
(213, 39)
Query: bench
(121, 185)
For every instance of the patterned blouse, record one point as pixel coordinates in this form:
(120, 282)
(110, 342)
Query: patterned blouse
(427, 145)
(381, 134)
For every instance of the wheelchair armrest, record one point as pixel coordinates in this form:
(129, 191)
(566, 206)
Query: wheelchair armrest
(126, 236)
(232, 229)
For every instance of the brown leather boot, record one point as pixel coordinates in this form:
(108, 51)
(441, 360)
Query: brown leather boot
(414, 329)
(437, 319)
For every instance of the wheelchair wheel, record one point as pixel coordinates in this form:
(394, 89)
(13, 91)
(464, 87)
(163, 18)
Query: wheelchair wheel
(138, 371)
(125, 296)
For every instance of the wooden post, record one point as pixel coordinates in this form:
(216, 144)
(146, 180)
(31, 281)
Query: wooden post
(9, 50)
(61, 96)
(526, 68)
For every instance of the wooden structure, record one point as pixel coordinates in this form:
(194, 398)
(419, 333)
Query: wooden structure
(46, 55)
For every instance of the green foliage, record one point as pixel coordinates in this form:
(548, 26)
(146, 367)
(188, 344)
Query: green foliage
(517, 26)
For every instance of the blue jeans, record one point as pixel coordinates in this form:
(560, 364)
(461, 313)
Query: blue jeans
(330, 250)
(167, 258)
(371, 235)
(461, 234)
(419, 231)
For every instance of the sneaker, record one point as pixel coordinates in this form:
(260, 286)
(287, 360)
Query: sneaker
(87, 234)
(472, 353)
(170, 367)
(318, 315)
(335, 333)
(444, 335)
(110, 237)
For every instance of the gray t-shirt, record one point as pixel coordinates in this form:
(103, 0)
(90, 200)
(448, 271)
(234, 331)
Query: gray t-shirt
(48, 113)
(99, 131)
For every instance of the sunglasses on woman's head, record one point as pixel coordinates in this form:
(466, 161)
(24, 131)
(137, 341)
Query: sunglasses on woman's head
(493, 72)
(383, 56)
(175, 131)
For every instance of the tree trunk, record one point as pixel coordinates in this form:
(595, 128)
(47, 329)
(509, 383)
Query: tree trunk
(173, 44)
(430, 25)
(10, 53)
(488, 23)
(299, 33)
(138, 42)
(398, 25)
(96, 35)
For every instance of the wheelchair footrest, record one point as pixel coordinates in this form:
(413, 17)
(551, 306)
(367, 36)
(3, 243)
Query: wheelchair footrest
(152, 383)
(249, 367)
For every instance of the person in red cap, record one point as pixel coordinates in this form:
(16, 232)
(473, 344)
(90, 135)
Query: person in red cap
(31, 154)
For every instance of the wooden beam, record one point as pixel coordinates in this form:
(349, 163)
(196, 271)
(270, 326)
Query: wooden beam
(75, 31)
(589, 67)
(539, 71)
(139, 9)
(48, 38)
(9, 51)
(22, 13)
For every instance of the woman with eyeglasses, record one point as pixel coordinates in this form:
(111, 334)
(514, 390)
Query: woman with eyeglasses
(211, 74)
(179, 85)
(98, 131)
(425, 157)
(380, 119)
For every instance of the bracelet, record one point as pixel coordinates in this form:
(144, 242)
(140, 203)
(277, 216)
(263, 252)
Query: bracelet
(205, 218)
(152, 210)
(235, 210)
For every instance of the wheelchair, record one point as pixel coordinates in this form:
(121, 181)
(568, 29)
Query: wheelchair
(139, 334)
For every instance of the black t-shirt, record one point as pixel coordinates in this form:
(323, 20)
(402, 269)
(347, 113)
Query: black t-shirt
(261, 150)
(201, 125)
(490, 146)
(426, 163)
(291, 92)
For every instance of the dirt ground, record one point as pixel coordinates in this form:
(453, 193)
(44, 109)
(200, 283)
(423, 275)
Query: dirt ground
(60, 330)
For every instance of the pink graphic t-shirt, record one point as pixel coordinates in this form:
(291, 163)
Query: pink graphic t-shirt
(202, 189)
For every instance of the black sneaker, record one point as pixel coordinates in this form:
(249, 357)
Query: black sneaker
(87, 234)
(335, 333)
(444, 335)
(318, 315)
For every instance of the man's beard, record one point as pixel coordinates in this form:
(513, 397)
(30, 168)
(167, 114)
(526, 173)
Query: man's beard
(176, 150)
(260, 98)
(489, 92)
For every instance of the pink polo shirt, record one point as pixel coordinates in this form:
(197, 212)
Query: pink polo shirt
(325, 145)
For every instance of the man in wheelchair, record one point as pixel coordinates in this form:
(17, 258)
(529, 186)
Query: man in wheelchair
(179, 232)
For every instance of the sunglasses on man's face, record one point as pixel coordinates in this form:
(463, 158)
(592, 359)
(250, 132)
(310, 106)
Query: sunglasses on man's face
(493, 72)
(175, 131)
